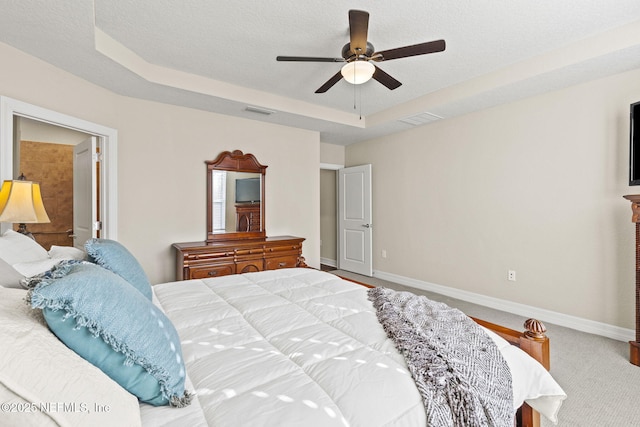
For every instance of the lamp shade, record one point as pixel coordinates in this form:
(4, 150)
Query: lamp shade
(21, 201)
(358, 72)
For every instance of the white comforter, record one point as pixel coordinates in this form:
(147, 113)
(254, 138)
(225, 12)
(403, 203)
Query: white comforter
(288, 347)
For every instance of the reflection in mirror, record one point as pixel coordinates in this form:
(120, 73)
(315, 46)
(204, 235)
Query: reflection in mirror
(235, 197)
(236, 201)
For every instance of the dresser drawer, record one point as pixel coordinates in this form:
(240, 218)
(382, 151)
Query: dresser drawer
(282, 262)
(282, 250)
(249, 266)
(209, 271)
(204, 256)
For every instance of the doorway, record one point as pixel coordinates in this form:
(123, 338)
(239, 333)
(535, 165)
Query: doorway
(339, 249)
(12, 110)
(45, 153)
(328, 219)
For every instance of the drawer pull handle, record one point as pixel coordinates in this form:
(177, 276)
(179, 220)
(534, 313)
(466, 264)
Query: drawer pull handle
(212, 273)
(282, 264)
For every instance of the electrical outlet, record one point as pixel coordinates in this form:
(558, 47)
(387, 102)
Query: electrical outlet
(511, 275)
(384, 253)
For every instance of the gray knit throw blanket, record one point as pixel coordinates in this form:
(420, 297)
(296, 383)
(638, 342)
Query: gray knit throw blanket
(458, 369)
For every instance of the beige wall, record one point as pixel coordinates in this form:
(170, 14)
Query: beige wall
(161, 154)
(534, 186)
(332, 154)
(33, 130)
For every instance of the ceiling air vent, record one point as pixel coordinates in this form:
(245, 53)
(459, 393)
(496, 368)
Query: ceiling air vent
(258, 110)
(420, 119)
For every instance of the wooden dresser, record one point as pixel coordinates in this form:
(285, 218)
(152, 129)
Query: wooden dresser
(248, 217)
(198, 260)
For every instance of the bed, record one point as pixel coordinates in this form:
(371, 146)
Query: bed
(286, 347)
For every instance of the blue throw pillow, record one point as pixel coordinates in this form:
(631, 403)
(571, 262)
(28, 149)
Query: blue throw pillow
(115, 257)
(105, 320)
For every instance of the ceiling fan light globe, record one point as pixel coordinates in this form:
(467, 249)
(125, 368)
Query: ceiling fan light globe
(358, 72)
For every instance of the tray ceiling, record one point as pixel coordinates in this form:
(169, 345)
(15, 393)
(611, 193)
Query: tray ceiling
(220, 56)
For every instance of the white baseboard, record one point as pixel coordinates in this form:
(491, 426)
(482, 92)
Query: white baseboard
(573, 322)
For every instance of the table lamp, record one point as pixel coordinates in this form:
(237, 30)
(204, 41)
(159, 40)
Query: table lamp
(21, 202)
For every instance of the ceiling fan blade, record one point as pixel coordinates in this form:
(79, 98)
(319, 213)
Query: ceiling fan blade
(308, 59)
(329, 84)
(406, 51)
(386, 79)
(358, 29)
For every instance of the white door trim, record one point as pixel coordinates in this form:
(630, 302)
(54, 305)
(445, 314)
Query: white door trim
(331, 166)
(108, 140)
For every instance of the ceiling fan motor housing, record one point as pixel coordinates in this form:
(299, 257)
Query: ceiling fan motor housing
(349, 55)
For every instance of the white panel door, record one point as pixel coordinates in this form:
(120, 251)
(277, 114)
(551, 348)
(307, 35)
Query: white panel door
(354, 220)
(85, 214)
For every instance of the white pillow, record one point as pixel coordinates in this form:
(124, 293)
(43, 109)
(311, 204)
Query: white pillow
(37, 367)
(67, 252)
(532, 383)
(16, 247)
(30, 269)
(9, 277)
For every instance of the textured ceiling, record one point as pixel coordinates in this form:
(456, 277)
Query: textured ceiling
(220, 56)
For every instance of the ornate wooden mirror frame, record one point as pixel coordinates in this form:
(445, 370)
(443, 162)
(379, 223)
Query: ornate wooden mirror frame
(247, 226)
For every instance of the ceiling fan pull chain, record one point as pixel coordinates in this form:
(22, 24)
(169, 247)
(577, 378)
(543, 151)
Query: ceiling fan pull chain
(360, 101)
(354, 88)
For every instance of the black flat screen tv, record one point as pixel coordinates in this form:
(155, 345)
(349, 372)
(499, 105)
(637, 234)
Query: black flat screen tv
(634, 146)
(248, 190)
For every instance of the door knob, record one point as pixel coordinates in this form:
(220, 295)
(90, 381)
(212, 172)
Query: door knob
(367, 225)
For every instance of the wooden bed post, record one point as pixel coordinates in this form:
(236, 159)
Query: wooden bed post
(533, 341)
(536, 343)
(634, 346)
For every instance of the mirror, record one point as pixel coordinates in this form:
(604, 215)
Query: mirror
(235, 197)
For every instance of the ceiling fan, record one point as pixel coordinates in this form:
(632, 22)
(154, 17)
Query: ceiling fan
(360, 56)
